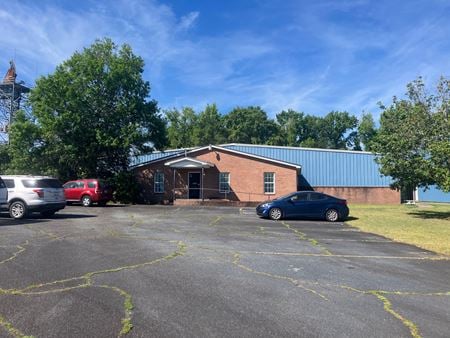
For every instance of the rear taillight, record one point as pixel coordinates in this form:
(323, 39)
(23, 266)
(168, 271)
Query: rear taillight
(39, 192)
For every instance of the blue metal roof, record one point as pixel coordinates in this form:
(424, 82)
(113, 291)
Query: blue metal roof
(141, 159)
(320, 167)
(325, 167)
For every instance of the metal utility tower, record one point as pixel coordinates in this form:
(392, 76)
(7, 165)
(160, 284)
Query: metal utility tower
(12, 96)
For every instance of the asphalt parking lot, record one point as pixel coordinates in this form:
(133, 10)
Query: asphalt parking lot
(143, 271)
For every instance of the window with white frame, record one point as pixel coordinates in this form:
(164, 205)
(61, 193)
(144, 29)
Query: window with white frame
(224, 182)
(269, 183)
(159, 182)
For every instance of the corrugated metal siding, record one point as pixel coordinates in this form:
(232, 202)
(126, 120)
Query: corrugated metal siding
(136, 160)
(326, 168)
(433, 194)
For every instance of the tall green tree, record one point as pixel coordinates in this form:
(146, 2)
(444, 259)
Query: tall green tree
(367, 131)
(4, 158)
(291, 128)
(27, 147)
(249, 125)
(312, 137)
(182, 127)
(90, 114)
(210, 128)
(337, 131)
(413, 141)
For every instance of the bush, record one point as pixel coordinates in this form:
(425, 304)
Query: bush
(126, 187)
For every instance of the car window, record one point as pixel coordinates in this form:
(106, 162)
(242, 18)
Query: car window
(80, 184)
(91, 184)
(9, 183)
(69, 185)
(2, 184)
(317, 197)
(300, 197)
(41, 183)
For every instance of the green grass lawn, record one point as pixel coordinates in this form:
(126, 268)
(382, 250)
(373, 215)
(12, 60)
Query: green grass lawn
(424, 225)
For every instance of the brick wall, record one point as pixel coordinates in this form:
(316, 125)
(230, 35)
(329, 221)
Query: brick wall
(246, 178)
(369, 195)
(246, 181)
(247, 175)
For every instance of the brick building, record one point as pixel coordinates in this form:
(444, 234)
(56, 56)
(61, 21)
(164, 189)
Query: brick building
(253, 173)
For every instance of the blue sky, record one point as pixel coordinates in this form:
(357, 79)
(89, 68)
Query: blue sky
(312, 56)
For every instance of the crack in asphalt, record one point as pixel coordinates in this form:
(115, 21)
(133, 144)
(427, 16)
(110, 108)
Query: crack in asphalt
(87, 280)
(43, 232)
(11, 329)
(17, 253)
(214, 222)
(414, 258)
(379, 294)
(302, 236)
(387, 305)
(297, 283)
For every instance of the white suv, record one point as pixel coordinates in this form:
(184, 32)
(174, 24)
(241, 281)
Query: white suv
(3, 194)
(28, 194)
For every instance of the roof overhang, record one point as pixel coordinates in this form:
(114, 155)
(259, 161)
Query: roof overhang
(188, 163)
(211, 148)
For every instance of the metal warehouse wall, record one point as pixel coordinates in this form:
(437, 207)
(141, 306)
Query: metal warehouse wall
(325, 167)
(433, 194)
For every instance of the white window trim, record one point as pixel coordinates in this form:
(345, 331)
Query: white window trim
(160, 182)
(264, 183)
(229, 180)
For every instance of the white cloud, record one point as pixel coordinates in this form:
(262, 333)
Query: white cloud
(188, 20)
(240, 66)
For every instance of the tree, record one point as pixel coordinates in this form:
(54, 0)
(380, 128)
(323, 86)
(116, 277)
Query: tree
(90, 114)
(182, 127)
(413, 141)
(4, 158)
(367, 131)
(311, 132)
(25, 150)
(249, 125)
(337, 130)
(210, 128)
(290, 124)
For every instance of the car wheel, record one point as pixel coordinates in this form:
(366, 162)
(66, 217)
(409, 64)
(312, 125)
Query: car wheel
(48, 213)
(86, 201)
(332, 215)
(275, 214)
(17, 210)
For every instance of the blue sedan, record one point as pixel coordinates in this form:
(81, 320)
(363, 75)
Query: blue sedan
(305, 204)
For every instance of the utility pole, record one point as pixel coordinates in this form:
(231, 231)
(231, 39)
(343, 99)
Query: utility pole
(12, 96)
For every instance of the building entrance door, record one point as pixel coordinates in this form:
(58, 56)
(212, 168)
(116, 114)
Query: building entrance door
(194, 185)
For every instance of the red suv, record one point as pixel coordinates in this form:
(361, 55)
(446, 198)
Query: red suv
(88, 191)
